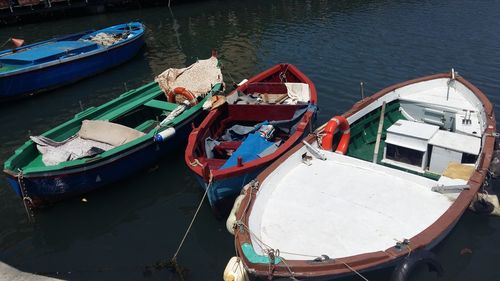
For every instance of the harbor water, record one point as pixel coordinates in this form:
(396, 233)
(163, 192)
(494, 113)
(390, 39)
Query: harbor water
(128, 231)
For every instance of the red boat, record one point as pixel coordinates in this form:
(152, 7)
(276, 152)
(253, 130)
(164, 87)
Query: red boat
(257, 122)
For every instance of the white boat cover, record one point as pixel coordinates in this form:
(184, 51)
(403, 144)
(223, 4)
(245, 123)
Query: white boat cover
(198, 78)
(341, 207)
(297, 92)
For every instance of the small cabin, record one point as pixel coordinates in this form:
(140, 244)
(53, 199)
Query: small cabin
(423, 147)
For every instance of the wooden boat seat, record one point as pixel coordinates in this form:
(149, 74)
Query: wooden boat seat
(161, 105)
(213, 163)
(146, 126)
(261, 112)
(225, 146)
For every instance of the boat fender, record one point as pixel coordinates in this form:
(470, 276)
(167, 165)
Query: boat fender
(342, 124)
(486, 204)
(242, 82)
(188, 95)
(495, 164)
(231, 219)
(164, 135)
(235, 271)
(483, 207)
(416, 258)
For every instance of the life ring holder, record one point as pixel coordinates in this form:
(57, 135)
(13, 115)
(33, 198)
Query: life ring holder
(342, 124)
(183, 92)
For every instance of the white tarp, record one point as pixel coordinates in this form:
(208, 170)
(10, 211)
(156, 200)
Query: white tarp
(198, 78)
(298, 92)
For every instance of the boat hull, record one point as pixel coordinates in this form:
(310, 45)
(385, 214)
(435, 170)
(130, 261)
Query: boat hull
(362, 261)
(387, 265)
(43, 189)
(67, 71)
(222, 192)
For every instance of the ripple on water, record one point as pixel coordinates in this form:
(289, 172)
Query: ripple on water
(336, 43)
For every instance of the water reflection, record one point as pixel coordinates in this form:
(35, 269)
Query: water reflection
(336, 43)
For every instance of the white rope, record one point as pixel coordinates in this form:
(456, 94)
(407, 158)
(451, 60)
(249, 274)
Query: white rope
(355, 271)
(196, 162)
(194, 217)
(267, 248)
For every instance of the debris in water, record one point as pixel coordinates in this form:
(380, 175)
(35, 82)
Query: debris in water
(465, 251)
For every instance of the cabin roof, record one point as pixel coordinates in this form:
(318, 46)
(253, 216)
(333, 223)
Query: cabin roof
(457, 142)
(413, 129)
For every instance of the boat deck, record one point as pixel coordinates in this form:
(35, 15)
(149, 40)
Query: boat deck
(350, 207)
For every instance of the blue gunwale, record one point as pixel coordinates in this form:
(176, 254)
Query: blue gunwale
(50, 69)
(72, 37)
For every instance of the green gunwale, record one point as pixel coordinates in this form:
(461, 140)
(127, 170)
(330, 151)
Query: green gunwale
(253, 257)
(27, 157)
(364, 136)
(7, 68)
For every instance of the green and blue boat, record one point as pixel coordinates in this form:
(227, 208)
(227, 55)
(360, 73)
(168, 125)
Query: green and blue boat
(105, 144)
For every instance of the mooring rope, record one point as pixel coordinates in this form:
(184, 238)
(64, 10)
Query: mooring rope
(221, 66)
(174, 258)
(196, 162)
(268, 249)
(5, 43)
(355, 271)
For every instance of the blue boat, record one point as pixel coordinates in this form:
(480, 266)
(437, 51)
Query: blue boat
(56, 62)
(108, 143)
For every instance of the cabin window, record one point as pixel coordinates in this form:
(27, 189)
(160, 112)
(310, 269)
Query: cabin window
(404, 155)
(469, 158)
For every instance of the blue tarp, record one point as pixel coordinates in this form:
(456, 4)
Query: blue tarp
(248, 150)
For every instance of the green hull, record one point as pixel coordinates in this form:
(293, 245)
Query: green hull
(364, 136)
(140, 109)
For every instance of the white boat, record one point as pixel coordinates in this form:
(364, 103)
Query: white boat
(409, 161)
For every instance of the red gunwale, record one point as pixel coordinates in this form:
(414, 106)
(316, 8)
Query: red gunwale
(200, 132)
(369, 261)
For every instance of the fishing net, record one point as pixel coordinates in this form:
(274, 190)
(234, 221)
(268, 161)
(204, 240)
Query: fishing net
(106, 39)
(198, 78)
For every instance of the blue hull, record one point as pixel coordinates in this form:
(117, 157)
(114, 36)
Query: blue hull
(68, 70)
(48, 188)
(221, 193)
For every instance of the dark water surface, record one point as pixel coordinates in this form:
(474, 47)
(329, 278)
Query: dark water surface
(134, 224)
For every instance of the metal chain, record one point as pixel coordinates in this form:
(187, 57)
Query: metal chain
(27, 201)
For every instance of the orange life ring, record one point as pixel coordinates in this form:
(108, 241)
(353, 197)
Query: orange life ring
(182, 92)
(330, 128)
